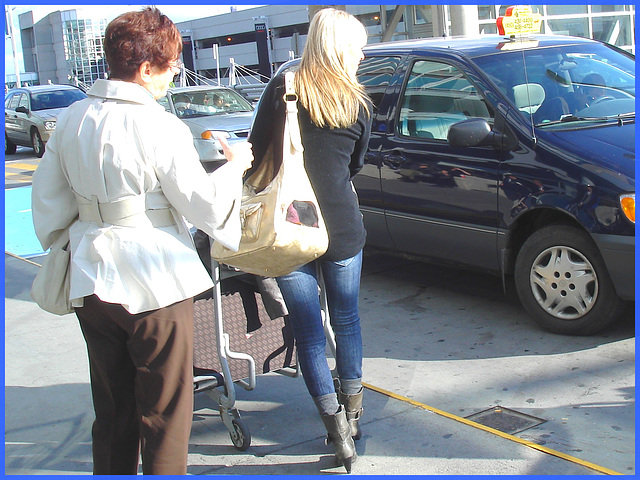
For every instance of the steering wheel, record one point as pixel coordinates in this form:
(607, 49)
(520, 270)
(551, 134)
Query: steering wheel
(602, 99)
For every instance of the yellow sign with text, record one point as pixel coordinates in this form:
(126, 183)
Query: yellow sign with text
(519, 20)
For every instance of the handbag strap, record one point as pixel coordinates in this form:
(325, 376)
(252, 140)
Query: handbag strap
(291, 101)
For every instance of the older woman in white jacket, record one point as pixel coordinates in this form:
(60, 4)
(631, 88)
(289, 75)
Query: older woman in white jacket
(125, 174)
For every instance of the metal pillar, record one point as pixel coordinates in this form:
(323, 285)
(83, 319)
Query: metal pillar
(13, 44)
(439, 18)
(390, 29)
(464, 19)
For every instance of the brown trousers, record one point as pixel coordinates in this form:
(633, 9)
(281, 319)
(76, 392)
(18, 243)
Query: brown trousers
(141, 370)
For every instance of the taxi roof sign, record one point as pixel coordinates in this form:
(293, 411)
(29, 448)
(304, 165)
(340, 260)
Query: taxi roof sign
(519, 20)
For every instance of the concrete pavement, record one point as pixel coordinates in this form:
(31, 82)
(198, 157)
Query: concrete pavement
(439, 345)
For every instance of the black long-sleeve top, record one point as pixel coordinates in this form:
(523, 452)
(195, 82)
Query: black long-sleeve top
(332, 157)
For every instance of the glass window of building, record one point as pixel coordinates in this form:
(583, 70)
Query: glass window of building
(566, 9)
(369, 19)
(83, 49)
(615, 30)
(577, 27)
(419, 17)
(609, 8)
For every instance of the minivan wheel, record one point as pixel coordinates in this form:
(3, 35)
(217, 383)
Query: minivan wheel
(9, 147)
(563, 283)
(36, 143)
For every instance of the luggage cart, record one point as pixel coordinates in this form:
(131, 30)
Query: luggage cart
(220, 329)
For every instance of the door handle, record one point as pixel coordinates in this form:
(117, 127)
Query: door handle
(370, 157)
(393, 161)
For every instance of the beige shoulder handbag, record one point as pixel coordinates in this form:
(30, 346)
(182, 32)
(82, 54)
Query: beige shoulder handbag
(282, 226)
(50, 288)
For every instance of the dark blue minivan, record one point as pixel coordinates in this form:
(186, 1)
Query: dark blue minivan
(510, 155)
(515, 156)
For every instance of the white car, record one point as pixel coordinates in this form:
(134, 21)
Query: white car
(210, 111)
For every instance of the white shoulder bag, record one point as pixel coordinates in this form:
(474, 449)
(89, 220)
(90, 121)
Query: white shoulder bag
(282, 226)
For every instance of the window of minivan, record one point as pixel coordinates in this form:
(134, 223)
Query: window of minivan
(375, 74)
(436, 96)
(572, 82)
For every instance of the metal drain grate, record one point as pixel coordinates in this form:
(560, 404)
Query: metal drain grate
(506, 420)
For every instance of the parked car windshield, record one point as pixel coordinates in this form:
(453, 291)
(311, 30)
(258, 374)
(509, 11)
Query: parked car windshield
(565, 83)
(55, 99)
(203, 103)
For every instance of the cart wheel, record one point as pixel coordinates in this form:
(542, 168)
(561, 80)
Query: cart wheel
(241, 437)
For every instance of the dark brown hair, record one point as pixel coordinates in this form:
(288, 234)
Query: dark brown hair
(136, 37)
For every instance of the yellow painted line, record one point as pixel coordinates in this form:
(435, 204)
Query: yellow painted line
(16, 177)
(479, 426)
(23, 166)
(17, 174)
(22, 258)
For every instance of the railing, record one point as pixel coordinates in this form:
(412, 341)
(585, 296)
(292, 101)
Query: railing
(236, 74)
(251, 92)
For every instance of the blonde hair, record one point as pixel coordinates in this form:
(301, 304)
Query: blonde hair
(332, 95)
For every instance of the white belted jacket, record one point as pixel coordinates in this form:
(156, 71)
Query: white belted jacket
(120, 144)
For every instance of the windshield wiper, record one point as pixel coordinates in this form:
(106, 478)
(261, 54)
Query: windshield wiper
(571, 118)
(630, 116)
(575, 118)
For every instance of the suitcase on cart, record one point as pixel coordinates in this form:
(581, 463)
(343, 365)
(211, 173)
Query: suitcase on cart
(234, 340)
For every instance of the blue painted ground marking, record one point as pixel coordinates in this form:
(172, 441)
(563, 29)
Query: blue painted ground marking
(19, 235)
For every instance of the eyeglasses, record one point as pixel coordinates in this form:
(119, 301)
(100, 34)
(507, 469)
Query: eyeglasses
(176, 66)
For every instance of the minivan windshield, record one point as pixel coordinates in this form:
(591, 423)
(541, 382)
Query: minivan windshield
(554, 85)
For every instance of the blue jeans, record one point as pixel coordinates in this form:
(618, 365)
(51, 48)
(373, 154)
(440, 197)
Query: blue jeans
(300, 292)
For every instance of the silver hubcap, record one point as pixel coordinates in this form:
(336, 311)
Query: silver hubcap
(564, 283)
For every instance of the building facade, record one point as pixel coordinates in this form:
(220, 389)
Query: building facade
(64, 47)
(247, 46)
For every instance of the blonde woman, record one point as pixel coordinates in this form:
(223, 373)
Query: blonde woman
(334, 115)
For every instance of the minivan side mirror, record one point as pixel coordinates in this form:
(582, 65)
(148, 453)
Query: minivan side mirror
(22, 109)
(473, 132)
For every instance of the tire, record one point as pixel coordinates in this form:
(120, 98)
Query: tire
(36, 143)
(563, 282)
(9, 147)
(241, 438)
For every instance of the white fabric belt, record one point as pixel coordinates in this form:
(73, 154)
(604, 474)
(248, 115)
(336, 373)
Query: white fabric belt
(127, 212)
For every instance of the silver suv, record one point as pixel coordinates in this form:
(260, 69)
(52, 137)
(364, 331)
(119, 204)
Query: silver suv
(30, 114)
